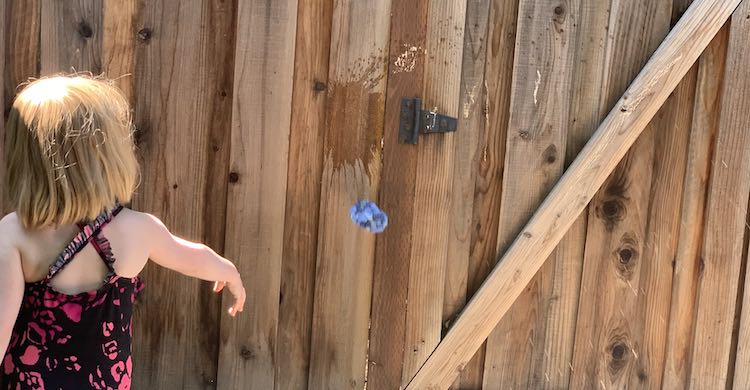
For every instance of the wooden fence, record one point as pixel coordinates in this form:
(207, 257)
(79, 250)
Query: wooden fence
(261, 122)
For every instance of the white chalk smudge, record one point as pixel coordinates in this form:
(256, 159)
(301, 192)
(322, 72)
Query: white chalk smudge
(471, 98)
(536, 85)
(407, 61)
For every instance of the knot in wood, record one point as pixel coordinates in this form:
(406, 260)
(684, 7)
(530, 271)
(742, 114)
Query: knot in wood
(619, 354)
(139, 135)
(319, 86)
(611, 211)
(626, 256)
(618, 351)
(559, 10)
(144, 34)
(84, 29)
(246, 353)
(550, 154)
(234, 177)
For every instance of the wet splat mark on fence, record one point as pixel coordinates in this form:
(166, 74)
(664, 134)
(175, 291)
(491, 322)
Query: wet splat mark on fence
(368, 71)
(365, 130)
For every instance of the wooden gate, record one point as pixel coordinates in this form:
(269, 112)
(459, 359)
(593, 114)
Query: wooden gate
(261, 122)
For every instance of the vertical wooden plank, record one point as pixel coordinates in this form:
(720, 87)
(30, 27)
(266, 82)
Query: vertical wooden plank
(662, 232)
(725, 227)
(406, 68)
(351, 171)
(303, 193)
(590, 23)
(622, 257)
(119, 40)
(433, 186)
(472, 117)
(261, 115)
(472, 121)
(551, 364)
(501, 42)
(672, 128)
(71, 36)
(534, 161)
(687, 261)
(182, 104)
(22, 31)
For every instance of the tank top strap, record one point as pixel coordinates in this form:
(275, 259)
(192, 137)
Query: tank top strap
(90, 232)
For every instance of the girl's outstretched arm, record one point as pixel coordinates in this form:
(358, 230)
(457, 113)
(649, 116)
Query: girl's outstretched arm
(11, 284)
(193, 259)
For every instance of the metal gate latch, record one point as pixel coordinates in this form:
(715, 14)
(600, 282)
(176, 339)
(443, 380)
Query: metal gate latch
(414, 120)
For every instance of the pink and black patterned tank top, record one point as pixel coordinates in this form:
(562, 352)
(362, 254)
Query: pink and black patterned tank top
(80, 341)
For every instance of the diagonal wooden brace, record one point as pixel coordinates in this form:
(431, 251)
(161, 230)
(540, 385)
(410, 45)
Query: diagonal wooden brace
(574, 191)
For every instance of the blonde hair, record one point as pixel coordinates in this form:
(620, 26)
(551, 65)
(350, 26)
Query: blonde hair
(69, 152)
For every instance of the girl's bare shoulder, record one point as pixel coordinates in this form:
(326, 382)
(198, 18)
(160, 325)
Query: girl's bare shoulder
(137, 220)
(11, 232)
(10, 227)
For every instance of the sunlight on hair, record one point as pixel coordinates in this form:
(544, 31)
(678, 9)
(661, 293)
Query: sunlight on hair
(52, 89)
(69, 151)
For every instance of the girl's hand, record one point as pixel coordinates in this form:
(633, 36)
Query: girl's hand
(237, 289)
(189, 258)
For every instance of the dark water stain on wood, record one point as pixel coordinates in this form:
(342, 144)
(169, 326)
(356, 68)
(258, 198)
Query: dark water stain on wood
(354, 123)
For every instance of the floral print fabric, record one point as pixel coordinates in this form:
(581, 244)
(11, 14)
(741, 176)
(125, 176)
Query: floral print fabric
(80, 341)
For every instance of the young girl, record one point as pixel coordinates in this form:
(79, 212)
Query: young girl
(70, 254)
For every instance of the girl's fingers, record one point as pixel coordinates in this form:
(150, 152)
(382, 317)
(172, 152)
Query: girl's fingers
(239, 304)
(239, 298)
(241, 301)
(218, 286)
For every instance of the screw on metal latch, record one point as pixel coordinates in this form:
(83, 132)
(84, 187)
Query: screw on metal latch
(414, 120)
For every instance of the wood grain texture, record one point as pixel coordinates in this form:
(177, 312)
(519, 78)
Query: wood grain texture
(607, 343)
(596, 162)
(71, 36)
(705, 122)
(725, 227)
(433, 187)
(501, 41)
(672, 126)
(672, 130)
(351, 171)
(119, 40)
(22, 25)
(536, 142)
(306, 138)
(472, 118)
(590, 24)
(406, 67)
(182, 109)
(261, 115)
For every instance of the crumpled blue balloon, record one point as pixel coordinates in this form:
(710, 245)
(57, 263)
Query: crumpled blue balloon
(367, 215)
